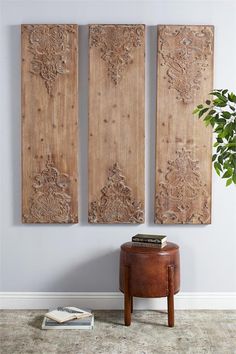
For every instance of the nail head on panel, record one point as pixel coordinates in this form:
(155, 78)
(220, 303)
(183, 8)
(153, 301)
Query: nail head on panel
(189, 141)
(178, 140)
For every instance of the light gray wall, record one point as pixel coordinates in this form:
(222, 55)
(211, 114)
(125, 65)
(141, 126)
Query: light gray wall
(84, 257)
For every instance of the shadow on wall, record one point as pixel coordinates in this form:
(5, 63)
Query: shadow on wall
(93, 275)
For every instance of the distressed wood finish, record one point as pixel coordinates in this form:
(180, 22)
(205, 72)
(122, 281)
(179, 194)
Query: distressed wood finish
(183, 143)
(116, 123)
(49, 123)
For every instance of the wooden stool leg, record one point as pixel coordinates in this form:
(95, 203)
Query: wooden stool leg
(171, 296)
(127, 298)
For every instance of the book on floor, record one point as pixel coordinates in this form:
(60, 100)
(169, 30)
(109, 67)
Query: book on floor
(82, 323)
(145, 238)
(64, 314)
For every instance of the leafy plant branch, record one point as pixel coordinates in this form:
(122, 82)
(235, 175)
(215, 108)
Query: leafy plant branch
(220, 113)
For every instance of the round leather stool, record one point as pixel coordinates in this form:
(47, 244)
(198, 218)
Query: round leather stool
(148, 270)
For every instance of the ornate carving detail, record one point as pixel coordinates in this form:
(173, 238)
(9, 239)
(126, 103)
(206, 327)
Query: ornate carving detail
(116, 43)
(50, 203)
(49, 45)
(182, 199)
(116, 204)
(185, 53)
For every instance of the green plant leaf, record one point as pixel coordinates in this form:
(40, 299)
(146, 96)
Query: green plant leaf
(220, 159)
(212, 111)
(217, 171)
(219, 140)
(196, 110)
(219, 103)
(218, 129)
(226, 115)
(228, 182)
(234, 177)
(219, 96)
(214, 157)
(204, 110)
(234, 162)
(217, 166)
(230, 145)
(223, 121)
(227, 174)
(232, 97)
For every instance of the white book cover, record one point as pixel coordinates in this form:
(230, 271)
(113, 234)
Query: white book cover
(63, 314)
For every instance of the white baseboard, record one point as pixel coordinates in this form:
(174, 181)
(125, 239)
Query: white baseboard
(114, 300)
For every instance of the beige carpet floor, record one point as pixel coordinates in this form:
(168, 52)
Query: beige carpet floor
(194, 332)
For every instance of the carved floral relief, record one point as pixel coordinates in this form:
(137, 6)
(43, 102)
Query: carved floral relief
(182, 197)
(116, 204)
(50, 202)
(184, 53)
(50, 48)
(116, 44)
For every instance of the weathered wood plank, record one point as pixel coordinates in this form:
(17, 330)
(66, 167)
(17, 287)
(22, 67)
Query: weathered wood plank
(183, 144)
(116, 123)
(49, 123)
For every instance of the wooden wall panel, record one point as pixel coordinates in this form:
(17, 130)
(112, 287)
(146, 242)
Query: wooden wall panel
(183, 143)
(116, 123)
(49, 123)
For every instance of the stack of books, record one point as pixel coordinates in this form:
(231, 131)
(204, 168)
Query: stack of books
(68, 318)
(150, 240)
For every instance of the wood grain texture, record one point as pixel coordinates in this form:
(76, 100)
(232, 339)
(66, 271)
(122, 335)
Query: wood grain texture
(49, 123)
(116, 123)
(183, 143)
